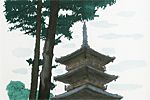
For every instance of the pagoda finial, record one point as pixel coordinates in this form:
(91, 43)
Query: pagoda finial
(85, 41)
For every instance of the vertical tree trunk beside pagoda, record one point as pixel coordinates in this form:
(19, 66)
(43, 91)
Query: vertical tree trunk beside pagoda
(46, 73)
(35, 67)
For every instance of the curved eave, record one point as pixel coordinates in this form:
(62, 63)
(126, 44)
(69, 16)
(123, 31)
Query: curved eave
(66, 58)
(69, 56)
(84, 70)
(93, 89)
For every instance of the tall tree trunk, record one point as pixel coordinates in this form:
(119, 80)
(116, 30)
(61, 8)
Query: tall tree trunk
(35, 67)
(45, 76)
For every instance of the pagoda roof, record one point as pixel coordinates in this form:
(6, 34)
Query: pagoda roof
(79, 72)
(87, 92)
(85, 50)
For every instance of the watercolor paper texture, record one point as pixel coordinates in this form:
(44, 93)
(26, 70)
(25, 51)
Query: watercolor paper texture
(121, 30)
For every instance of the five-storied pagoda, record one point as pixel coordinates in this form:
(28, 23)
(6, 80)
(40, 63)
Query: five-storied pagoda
(86, 74)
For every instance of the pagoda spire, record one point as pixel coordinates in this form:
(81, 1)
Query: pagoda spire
(85, 40)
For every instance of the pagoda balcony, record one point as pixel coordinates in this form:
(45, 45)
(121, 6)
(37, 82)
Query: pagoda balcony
(84, 73)
(85, 56)
(70, 87)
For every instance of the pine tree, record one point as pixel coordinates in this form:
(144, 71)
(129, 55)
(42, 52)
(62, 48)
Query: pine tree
(22, 14)
(35, 66)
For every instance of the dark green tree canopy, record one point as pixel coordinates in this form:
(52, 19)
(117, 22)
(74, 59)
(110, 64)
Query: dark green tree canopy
(22, 14)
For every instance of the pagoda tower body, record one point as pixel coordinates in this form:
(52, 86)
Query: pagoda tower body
(86, 74)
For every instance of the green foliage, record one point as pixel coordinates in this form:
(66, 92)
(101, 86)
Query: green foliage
(17, 91)
(54, 66)
(41, 62)
(50, 96)
(85, 9)
(29, 61)
(52, 86)
(58, 40)
(22, 15)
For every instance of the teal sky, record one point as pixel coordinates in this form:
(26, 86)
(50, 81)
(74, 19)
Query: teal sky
(122, 30)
